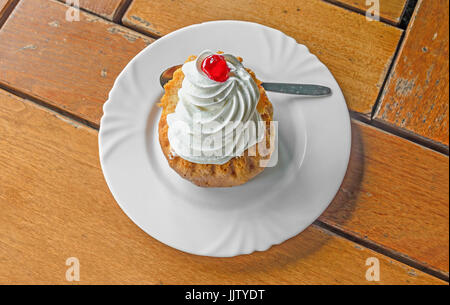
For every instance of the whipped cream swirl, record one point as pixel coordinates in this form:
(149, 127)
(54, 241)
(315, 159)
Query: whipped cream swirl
(215, 121)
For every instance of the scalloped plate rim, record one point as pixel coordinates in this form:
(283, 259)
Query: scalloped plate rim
(124, 206)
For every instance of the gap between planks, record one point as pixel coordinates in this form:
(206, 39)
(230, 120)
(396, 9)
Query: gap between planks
(9, 8)
(362, 12)
(408, 135)
(121, 12)
(118, 15)
(49, 106)
(368, 244)
(410, 5)
(400, 257)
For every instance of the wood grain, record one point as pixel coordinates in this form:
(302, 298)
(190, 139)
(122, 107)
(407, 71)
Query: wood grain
(55, 204)
(5, 8)
(69, 65)
(417, 92)
(357, 52)
(110, 9)
(390, 10)
(396, 195)
(3, 5)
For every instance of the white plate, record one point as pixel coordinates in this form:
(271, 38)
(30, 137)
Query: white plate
(314, 147)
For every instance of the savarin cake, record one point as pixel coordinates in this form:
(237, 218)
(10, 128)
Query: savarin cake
(214, 128)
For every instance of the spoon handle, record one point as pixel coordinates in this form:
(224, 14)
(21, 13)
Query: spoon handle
(298, 89)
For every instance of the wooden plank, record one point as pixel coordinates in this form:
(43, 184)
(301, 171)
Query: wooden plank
(390, 10)
(110, 9)
(55, 204)
(357, 52)
(69, 65)
(5, 8)
(3, 5)
(395, 194)
(54, 89)
(416, 95)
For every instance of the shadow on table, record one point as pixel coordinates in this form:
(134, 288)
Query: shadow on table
(343, 205)
(313, 239)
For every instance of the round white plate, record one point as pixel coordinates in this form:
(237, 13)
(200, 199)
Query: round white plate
(314, 140)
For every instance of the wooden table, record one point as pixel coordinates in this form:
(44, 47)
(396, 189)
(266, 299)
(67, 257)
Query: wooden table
(54, 203)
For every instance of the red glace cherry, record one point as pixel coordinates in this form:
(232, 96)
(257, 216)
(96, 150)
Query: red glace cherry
(216, 68)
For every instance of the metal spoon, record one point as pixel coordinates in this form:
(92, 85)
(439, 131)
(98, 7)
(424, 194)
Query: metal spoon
(298, 89)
